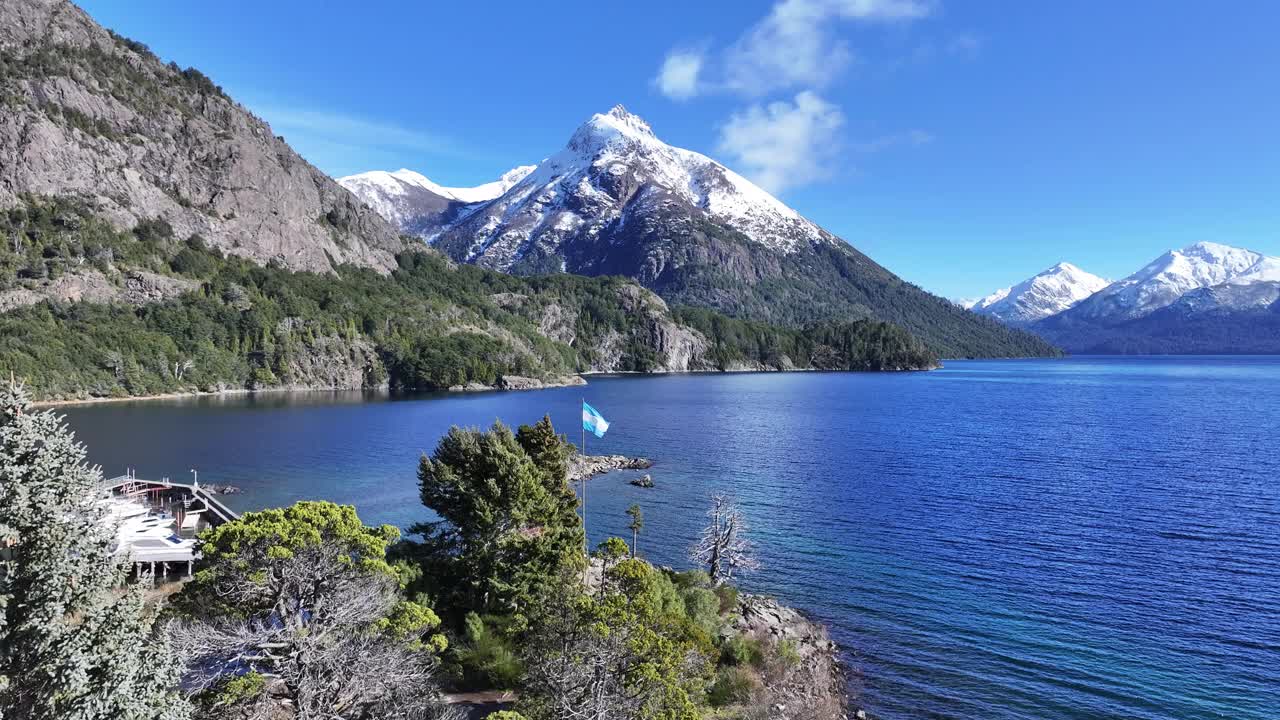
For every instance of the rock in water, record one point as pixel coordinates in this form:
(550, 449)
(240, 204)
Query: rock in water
(585, 467)
(645, 481)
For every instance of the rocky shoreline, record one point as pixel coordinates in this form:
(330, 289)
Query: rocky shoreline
(585, 467)
(813, 686)
(510, 383)
(518, 382)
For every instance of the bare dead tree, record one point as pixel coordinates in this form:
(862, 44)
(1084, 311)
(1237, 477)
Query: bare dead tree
(330, 668)
(181, 367)
(301, 597)
(723, 546)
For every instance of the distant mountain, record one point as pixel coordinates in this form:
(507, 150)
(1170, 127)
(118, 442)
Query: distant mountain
(419, 206)
(1048, 293)
(1172, 275)
(619, 201)
(90, 114)
(1207, 297)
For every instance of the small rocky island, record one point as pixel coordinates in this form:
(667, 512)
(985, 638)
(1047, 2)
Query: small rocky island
(585, 467)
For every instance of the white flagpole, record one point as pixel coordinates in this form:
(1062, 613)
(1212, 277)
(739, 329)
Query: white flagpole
(586, 541)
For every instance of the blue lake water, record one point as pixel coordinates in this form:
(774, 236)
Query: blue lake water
(1083, 538)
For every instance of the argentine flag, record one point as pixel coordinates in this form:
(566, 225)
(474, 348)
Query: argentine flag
(593, 421)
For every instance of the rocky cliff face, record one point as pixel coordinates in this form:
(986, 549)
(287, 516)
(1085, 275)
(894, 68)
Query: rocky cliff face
(675, 347)
(680, 348)
(135, 287)
(88, 113)
(333, 363)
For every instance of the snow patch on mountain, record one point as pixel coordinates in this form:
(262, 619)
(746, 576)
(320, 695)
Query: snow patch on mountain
(383, 192)
(404, 196)
(479, 193)
(1048, 293)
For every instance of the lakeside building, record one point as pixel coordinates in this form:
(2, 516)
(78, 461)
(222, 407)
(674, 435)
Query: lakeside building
(157, 521)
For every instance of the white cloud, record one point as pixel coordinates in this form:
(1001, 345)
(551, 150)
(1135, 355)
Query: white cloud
(795, 45)
(678, 77)
(783, 144)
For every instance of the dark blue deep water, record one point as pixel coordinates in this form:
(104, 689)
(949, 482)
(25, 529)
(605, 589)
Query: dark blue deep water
(1085, 538)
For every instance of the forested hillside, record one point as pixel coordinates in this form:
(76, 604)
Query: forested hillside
(96, 312)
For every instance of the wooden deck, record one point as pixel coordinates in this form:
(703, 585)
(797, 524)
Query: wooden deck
(183, 501)
(122, 484)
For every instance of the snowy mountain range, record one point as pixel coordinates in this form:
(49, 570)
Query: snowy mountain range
(1047, 293)
(614, 171)
(1173, 275)
(419, 206)
(613, 177)
(1164, 307)
(616, 200)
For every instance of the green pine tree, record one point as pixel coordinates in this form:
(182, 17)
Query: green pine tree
(635, 525)
(72, 647)
(507, 525)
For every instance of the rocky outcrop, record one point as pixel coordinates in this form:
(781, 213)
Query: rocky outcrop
(334, 363)
(585, 467)
(678, 348)
(88, 113)
(557, 323)
(133, 287)
(810, 684)
(517, 382)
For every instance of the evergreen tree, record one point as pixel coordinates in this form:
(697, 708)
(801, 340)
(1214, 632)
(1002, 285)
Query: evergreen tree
(635, 525)
(621, 650)
(507, 525)
(71, 646)
(550, 453)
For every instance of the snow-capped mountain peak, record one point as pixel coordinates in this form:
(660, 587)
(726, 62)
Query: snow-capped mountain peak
(613, 175)
(1175, 273)
(619, 120)
(1047, 293)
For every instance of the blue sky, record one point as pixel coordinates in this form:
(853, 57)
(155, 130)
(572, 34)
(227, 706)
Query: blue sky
(964, 145)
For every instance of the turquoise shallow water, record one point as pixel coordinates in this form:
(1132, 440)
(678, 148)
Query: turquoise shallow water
(1085, 538)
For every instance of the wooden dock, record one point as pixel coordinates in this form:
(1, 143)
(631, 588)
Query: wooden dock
(182, 501)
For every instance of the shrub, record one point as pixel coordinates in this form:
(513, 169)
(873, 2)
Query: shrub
(193, 263)
(728, 597)
(740, 650)
(787, 653)
(732, 685)
(702, 608)
(240, 688)
(487, 657)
